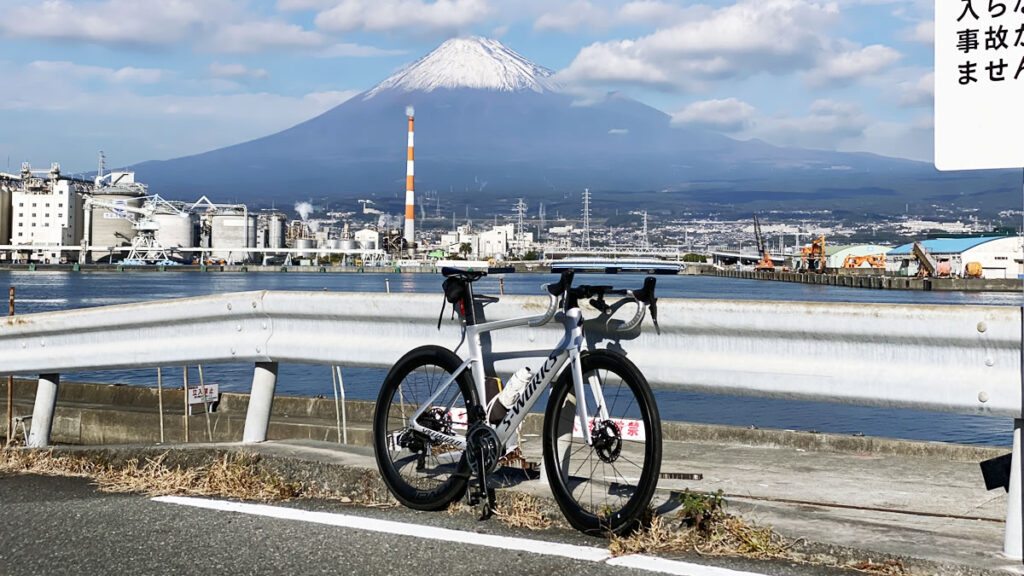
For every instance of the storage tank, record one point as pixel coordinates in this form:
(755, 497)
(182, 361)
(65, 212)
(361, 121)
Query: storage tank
(176, 231)
(229, 231)
(110, 221)
(347, 244)
(306, 247)
(276, 223)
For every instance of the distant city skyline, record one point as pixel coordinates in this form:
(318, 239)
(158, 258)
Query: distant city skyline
(147, 80)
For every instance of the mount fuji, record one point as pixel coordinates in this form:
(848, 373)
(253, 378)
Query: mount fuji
(490, 124)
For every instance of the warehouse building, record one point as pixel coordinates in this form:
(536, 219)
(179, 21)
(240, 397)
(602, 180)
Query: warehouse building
(998, 256)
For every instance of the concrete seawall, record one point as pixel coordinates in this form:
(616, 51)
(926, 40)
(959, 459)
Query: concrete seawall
(853, 279)
(97, 414)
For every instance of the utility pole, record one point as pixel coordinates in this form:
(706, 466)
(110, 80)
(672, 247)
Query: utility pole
(10, 384)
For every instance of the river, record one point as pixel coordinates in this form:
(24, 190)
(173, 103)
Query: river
(45, 291)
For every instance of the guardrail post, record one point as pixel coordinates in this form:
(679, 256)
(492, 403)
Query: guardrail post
(1012, 543)
(261, 400)
(42, 411)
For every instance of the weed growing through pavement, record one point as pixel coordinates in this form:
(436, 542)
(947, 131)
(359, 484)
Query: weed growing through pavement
(522, 511)
(702, 525)
(234, 475)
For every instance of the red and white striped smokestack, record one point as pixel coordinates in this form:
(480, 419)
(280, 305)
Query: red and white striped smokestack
(410, 195)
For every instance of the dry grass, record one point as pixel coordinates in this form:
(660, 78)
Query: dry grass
(522, 511)
(233, 475)
(702, 526)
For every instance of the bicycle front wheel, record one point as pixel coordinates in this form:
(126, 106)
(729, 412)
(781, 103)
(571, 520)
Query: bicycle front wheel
(421, 472)
(607, 486)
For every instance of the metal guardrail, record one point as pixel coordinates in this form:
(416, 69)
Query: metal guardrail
(964, 359)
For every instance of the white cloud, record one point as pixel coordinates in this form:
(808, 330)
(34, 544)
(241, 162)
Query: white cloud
(286, 5)
(650, 11)
(912, 140)
(132, 22)
(346, 50)
(126, 75)
(923, 32)
(250, 37)
(223, 26)
(751, 36)
(920, 92)
(728, 115)
(387, 15)
(853, 64)
(572, 16)
(828, 125)
(619, 131)
(237, 71)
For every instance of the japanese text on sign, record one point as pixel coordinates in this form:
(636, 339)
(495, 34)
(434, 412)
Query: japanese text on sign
(629, 429)
(979, 83)
(195, 395)
(992, 45)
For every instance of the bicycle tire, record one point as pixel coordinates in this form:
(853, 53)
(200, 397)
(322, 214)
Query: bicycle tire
(606, 487)
(423, 474)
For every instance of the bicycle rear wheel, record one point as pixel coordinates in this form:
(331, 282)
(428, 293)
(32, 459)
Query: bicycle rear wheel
(608, 486)
(421, 472)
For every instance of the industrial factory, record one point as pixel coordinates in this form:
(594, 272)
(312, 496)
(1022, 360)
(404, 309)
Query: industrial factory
(49, 217)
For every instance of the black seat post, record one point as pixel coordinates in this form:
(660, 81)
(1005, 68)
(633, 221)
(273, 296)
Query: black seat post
(468, 303)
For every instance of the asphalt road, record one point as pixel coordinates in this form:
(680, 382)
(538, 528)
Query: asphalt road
(65, 526)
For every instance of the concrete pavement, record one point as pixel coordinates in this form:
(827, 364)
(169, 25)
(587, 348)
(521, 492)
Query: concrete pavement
(922, 503)
(848, 496)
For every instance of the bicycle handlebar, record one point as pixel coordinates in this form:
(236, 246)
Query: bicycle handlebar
(644, 297)
(548, 315)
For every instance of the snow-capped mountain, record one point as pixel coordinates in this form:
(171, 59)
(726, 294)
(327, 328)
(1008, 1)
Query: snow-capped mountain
(490, 122)
(474, 62)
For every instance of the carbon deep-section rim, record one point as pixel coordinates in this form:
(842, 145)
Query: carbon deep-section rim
(608, 486)
(422, 473)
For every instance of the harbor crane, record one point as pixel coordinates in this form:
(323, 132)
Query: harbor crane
(812, 256)
(765, 263)
(145, 247)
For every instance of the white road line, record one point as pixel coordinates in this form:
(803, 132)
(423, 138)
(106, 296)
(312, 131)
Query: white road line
(666, 566)
(585, 553)
(399, 528)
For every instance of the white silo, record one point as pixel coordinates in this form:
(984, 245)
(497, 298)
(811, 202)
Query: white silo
(231, 230)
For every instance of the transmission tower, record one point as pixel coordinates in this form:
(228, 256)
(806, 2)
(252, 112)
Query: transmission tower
(645, 244)
(520, 209)
(586, 218)
(541, 216)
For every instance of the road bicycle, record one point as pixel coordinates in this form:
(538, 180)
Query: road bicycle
(438, 425)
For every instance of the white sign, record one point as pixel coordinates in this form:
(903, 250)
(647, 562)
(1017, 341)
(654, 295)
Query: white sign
(979, 84)
(195, 395)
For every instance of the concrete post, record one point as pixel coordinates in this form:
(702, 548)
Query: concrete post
(261, 400)
(1012, 544)
(42, 411)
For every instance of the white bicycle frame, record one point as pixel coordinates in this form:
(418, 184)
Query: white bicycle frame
(566, 353)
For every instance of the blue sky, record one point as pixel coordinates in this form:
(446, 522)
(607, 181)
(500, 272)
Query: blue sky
(157, 79)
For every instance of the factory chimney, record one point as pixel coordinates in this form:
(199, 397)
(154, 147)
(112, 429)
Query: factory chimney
(410, 208)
